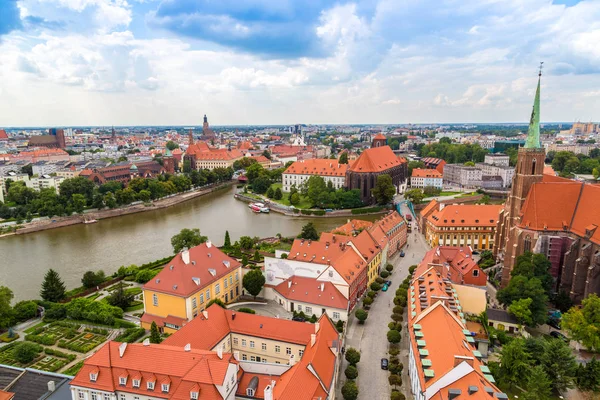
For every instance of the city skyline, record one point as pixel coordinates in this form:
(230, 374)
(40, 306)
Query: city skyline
(166, 63)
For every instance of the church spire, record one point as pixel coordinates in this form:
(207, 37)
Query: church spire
(533, 134)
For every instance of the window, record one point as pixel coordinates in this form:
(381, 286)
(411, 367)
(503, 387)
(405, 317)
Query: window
(475, 272)
(243, 342)
(300, 353)
(201, 297)
(123, 381)
(308, 310)
(244, 357)
(217, 288)
(106, 396)
(252, 358)
(94, 396)
(194, 395)
(136, 383)
(299, 307)
(264, 360)
(264, 347)
(231, 280)
(527, 243)
(252, 344)
(225, 283)
(277, 349)
(150, 385)
(207, 294)
(288, 350)
(165, 387)
(194, 303)
(80, 394)
(93, 377)
(155, 300)
(122, 397)
(235, 341)
(336, 315)
(237, 277)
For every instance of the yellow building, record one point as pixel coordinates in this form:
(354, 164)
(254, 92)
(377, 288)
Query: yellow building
(370, 244)
(187, 283)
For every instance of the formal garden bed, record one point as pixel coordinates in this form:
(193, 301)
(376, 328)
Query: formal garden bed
(83, 342)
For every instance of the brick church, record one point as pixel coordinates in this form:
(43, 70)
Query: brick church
(553, 216)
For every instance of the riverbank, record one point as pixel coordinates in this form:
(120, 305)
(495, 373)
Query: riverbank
(281, 209)
(59, 222)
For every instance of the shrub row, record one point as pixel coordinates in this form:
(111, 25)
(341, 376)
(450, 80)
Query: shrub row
(57, 353)
(350, 389)
(368, 210)
(130, 335)
(313, 212)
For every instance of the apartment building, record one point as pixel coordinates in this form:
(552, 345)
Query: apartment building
(422, 178)
(181, 291)
(45, 182)
(463, 176)
(300, 171)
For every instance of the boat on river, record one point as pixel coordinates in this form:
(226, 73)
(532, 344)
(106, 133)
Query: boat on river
(259, 208)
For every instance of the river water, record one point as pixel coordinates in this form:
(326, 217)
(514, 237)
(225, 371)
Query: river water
(134, 239)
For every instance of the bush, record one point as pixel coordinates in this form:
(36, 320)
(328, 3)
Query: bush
(367, 301)
(371, 294)
(246, 310)
(339, 326)
(351, 372)
(379, 280)
(411, 269)
(26, 352)
(375, 286)
(397, 317)
(4, 338)
(396, 368)
(394, 351)
(130, 335)
(397, 396)
(25, 310)
(398, 310)
(361, 315)
(400, 301)
(41, 339)
(389, 267)
(395, 380)
(350, 390)
(394, 336)
(52, 352)
(146, 275)
(384, 274)
(401, 292)
(352, 356)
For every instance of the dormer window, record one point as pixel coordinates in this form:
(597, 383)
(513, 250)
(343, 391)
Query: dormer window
(165, 388)
(194, 395)
(250, 392)
(136, 383)
(123, 380)
(93, 377)
(150, 385)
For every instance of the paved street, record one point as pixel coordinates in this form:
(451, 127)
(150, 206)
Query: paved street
(371, 338)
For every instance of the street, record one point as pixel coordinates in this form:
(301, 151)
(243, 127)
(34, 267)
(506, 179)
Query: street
(371, 338)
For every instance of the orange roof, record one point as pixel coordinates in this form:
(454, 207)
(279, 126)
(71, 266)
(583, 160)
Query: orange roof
(307, 290)
(191, 271)
(219, 155)
(286, 149)
(425, 173)
(376, 159)
(548, 170)
(312, 377)
(390, 221)
(261, 159)
(351, 227)
(154, 363)
(466, 215)
(317, 166)
(6, 395)
(378, 235)
(366, 245)
(245, 145)
(197, 148)
(453, 262)
(222, 322)
(380, 136)
(263, 382)
(563, 205)
(3, 134)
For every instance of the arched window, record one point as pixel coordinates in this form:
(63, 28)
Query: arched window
(533, 167)
(527, 244)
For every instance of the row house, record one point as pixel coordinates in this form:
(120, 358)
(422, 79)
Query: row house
(300, 171)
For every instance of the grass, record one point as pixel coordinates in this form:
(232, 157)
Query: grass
(471, 194)
(285, 200)
(74, 369)
(33, 328)
(136, 305)
(95, 296)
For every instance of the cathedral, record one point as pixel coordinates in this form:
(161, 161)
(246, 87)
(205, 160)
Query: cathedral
(553, 216)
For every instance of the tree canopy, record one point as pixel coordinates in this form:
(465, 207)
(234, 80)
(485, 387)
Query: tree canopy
(187, 238)
(53, 288)
(384, 189)
(309, 231)
(253, 282)
(583, 323)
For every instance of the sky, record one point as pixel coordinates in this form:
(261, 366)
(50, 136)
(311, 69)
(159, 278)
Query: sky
(169, 62)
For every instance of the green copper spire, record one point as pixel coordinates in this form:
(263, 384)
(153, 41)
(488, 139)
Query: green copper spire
(168, 153)
(533, 134)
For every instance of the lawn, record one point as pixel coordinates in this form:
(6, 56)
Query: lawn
(33, 328)
(304, 202)
(95, 296)
(136, 305)
(74, 369)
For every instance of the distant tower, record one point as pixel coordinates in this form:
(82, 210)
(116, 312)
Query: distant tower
(191, 137)
(529, 170)
(169, 162)
(113, 137)
(379, 140)
(205, 124)
(133, 171)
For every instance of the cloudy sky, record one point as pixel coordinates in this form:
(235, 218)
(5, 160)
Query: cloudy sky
(123, 62)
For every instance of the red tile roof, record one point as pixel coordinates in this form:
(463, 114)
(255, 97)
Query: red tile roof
(219, 155)
(197, 148)
(390, 221)
(466, 215)
(453, 262)
(317, 166)
(154, 363)
(292, 150)
(425, 173)
(3, 134)
(380, 136)
(6, 395)
(308, 290)
(263, 382)
(376, 159)
(351, 227)
(221, 322)
(205, 265)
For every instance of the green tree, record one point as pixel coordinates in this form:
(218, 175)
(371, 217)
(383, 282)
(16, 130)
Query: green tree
(227, 243)
(78, 185)
(316, 191)
(270, 193)
(187, 238)
(535, 265)
(254, 171)
(361, 315)
(144, 195)
(25, 310)
(309, 232)
(350, 390)
(521, 309)
(244, 260)
(92, 279)
(559, 364)
(351, 372)
(26, 352)
(261, 184)
(416, 196)
(394, 336)
(109, 200)
(120, 298)
(253, 282)
(514, 362)
(256, 256)
(171, 145)
(218, 302)
(384, 189)
(521, 287)
(538, 385)
(278, 195)
(53, 288)
(154, 333)
(352, 356)
(343, 158)
(395, 380)
(583, 323)
(246, 242)
(295, 199)
(588, 376)
(6, 311)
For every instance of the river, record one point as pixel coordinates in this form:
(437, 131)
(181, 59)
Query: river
(134, 239)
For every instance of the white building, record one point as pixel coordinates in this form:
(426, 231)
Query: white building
(329, 170)
(45, 182)
(462, 175)
(504, 172)
(422, 178)
(498, 159)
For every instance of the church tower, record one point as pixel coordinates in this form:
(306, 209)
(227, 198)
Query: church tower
(529, 170)
(190, 138)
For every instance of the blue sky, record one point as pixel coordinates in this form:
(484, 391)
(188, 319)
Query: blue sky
(105, 62)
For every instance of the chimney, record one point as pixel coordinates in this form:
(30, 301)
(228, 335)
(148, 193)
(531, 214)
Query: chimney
(317, 326)
(185, 256)
(220, 352)
(236, 355)
(146, 342)
(187, 347)
(268, 392)
(313, 339)
(232, 316)
(322, 287)
(289, 284)
(51, 386)
(122, 348)
(208, 244)
(205, 314)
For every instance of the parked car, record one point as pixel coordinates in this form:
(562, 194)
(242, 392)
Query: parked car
(299, 319)
(389, 283)
(402, 253)
(558, 335)
(328, 210)
(385, 288)
(384, 363)
(554, 322)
